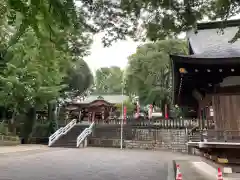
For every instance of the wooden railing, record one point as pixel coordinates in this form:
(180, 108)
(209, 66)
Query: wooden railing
(158, 123)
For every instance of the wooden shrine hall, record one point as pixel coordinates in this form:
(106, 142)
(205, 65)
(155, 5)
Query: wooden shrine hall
(98, 108)
(207, 81)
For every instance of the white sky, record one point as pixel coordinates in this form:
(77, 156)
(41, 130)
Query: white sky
(115, 55)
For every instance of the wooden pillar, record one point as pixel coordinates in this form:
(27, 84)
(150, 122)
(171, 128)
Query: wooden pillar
(79, 115)
(103, 114)
(199, 118)
(89, 116)
(66, 117)
(203, 117)
(208, 117)
(93, 116)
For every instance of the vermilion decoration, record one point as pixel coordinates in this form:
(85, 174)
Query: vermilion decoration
(125, 113)
(166, 111)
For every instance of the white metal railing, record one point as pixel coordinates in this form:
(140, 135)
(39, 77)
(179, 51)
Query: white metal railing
(61, 131)
(86, 132)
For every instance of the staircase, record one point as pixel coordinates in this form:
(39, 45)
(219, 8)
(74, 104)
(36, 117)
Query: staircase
(72, 135)
(69, 140)
(84, 134)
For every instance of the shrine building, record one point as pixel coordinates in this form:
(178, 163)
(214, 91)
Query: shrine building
(207, 82)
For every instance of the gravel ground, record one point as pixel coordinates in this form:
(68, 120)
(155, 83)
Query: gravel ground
(88, 164)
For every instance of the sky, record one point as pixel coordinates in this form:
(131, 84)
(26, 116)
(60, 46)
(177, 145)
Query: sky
(115, 55)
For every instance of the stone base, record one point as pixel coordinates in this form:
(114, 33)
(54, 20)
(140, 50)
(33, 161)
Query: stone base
(152, 145)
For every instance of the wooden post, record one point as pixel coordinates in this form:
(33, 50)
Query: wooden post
(89, 117)
(79, 116)
(201, 135)
(85, 142)
(93, 116)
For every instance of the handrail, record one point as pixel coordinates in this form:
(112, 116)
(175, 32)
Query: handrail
(61, 131)
(84, 134)
(69, 126)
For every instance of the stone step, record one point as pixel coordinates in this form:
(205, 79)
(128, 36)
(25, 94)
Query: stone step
(65, 146)
(70, 139)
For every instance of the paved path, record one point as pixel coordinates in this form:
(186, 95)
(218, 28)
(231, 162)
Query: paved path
(88, 164)
(188, 171)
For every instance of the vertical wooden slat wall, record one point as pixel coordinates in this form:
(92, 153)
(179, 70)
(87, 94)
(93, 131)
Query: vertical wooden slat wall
(226, 112)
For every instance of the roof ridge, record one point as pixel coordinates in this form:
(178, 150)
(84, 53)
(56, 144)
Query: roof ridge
(218, 24)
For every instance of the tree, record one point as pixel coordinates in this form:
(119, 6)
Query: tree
(169, 18)
(148, 74)
(156, 20)
(48, 18)
(129, 105)
(116, 19)
(42, 42)
(79, 78)
(109, 80)
(31, 78)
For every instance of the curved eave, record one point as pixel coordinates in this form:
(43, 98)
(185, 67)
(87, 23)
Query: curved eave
(178, 61)
(200, 59)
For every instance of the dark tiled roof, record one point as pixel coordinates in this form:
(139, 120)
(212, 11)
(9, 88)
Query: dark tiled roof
(209, 43)
(114, 99)
(204, 59)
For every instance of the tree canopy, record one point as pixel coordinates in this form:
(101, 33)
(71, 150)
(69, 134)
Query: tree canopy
(79, 78)
(148, 74)
(108, 80)
(42, 45)
(116, 19)
(169, 18)
(156, 20)
(45, 41)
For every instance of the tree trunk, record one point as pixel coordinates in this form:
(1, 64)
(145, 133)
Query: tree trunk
(12, 124)
(29, 123)
(52, 119)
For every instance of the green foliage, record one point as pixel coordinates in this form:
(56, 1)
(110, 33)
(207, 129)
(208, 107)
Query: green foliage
(79, 78)
(48, 18)
(148, 74)
(128, 104)
(154, 19)
(41, 130)
(109, 80)
(168, 18)
(149, 18)
(3, 128)
(45, 17)
(40, 43)
(31, 77)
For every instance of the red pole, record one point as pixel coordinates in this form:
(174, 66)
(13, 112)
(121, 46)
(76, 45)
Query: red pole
(166, 111)
(125, 113)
